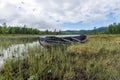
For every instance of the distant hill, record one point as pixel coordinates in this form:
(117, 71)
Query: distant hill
(75, 32)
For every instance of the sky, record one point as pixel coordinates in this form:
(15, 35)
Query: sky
(60, 14)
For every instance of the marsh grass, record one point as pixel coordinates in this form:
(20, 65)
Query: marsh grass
(7, 40)
(97, 59)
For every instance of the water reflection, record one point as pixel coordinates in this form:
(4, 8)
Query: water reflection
(15, 51)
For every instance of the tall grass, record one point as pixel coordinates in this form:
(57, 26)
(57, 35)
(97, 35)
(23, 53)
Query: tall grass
(7, 40)
(97, 59)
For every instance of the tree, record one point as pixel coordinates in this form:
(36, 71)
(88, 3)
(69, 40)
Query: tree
(4, 29)
(95, 31)
(113, 29)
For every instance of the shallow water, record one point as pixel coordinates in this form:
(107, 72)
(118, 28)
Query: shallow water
(19, 50)
(15, 51)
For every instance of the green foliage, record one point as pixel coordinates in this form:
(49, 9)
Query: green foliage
(113, 29)
(4, 29)
(17, 30)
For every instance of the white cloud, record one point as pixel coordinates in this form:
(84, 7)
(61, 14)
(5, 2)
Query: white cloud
(46, 14)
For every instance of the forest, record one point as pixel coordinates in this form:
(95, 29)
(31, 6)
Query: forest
(110, 29)
(113, 28)
(4, 29)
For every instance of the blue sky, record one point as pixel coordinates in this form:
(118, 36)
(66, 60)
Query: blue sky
(60, 14)
(83, 26)
(88, 26)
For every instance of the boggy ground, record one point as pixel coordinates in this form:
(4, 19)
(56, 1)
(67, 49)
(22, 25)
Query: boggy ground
(7, 40)
(97, 59)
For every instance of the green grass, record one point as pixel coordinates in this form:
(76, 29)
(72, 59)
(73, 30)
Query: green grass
(7, 40)
(97, 59)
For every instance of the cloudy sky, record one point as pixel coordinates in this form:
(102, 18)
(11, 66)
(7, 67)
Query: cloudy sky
(60, 14)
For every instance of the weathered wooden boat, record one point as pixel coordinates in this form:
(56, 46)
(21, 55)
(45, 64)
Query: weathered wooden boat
(51, 40)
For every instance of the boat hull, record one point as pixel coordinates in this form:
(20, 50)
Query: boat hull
(51, 40)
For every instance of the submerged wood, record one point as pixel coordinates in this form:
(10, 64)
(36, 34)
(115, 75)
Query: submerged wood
(51, 40)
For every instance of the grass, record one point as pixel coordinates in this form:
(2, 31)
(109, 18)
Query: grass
(7, 40)
(97, 59)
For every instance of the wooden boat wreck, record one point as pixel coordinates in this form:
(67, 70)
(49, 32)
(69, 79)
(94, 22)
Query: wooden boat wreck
(51, 40)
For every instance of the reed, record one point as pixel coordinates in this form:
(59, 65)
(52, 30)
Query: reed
(97, 59)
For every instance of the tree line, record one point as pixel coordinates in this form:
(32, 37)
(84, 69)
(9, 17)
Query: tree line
(113, 29)
(4, 29)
